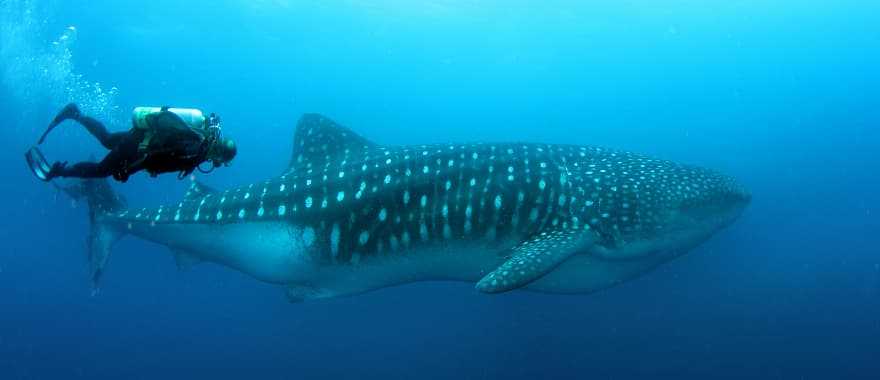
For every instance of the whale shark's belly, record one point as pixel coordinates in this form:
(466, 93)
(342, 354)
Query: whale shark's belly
(277, 252)
(582, 273)
(269, 251)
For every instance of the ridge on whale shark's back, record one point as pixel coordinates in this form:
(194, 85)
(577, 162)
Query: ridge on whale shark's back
(350, 215)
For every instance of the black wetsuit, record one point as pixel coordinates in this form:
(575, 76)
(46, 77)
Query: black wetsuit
(169, 145)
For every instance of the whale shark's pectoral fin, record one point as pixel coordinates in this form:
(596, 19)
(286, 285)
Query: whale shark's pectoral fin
(533, 258)
(300, 293)
(184, 260)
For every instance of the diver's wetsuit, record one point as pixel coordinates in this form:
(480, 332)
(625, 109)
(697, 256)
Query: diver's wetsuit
(173, 146)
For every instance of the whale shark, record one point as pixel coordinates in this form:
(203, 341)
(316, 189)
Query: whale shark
(349, 216)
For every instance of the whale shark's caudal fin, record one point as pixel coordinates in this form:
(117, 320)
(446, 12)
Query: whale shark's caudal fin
(101, 200)
(319, 140)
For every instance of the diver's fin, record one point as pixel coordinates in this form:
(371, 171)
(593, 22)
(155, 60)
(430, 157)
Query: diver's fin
(197, 190)
(37, 164)
(184, 260)
(319, 140)
(70, 111)
(533, 258)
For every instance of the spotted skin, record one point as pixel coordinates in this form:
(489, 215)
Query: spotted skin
(350, 202)
(534, 257)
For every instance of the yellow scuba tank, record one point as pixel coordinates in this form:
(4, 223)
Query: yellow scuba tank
(191, 116)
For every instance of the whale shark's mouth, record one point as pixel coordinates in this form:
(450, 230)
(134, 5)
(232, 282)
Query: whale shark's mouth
(685, 226)
(720, 205)
(723, 207)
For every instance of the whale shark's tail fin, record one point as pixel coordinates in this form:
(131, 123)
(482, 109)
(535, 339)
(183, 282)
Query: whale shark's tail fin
(102, 200)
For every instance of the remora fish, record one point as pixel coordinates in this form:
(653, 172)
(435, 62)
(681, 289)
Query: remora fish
(350, 216)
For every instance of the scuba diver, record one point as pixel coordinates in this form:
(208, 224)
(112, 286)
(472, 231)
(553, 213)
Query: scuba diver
(161, 140)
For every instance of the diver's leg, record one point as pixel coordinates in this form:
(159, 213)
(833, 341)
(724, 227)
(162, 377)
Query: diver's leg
(81, 170)
(97, 129)
(94, 126)
(78, 170)
(110, 165)
(116, 139)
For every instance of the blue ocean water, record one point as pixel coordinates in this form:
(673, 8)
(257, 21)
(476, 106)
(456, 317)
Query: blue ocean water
(783, 95)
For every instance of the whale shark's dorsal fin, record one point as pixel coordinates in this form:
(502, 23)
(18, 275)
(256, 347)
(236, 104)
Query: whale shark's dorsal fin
(319, 140)
(198, 190)
(535, 257)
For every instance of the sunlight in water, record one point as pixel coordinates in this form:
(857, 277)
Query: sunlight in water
(38, 69)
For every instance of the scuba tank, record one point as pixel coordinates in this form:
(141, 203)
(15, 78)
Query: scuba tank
(191, 116)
